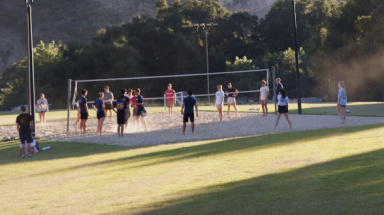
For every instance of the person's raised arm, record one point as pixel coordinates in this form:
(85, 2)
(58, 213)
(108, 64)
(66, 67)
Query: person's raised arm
(182, 108)
(197, 112)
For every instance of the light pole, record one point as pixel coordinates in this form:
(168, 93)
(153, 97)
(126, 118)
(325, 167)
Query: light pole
(206, 27)
(31, 69)
(297, 57)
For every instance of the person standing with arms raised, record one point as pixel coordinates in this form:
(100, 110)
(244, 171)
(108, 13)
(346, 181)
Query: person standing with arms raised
(187, 111)
(231, 94)
(108, 99)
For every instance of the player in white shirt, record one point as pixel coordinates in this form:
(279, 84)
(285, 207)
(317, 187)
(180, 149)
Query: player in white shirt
(282, 104)
(263, 98)
(219, 100)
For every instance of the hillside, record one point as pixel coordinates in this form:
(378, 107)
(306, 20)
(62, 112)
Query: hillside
(65, 20)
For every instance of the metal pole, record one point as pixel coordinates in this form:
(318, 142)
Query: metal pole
(274, 88)
(31, 72)
(69, 103)
(297, 57)
(206, 44)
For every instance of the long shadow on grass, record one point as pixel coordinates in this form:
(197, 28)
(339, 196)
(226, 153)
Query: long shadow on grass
(220, 147)
(373, 110)
(352, 185)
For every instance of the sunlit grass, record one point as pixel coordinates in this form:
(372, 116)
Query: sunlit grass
(322, 172)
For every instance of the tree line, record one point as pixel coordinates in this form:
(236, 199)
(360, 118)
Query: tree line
(337, 40)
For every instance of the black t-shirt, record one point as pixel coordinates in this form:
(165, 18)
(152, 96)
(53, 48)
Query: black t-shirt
(231, 92)
(24, 120)
(121, 106)
(278, 87)
(82, 102)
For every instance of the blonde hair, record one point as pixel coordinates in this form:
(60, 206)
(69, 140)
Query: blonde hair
(101, 94)
(221, 86)
(341, 83)
(264, 82)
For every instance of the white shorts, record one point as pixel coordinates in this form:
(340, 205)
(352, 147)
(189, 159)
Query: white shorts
(219, 105)
(231, 100)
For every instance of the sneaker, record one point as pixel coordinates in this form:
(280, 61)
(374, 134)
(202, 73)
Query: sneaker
(29, 156)
(23, 156)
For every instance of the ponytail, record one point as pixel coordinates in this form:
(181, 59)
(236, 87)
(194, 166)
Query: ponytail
(283, 93)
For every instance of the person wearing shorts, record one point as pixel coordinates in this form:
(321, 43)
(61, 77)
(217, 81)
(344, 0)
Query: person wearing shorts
(84, 114)
(341, 101)
(231, 94)
(78, 114)
(99, 107)
(24, 127)
(126, 99)
(141, 112)
(187, 111)
(170, 97)
(42, 108)
(134, 107)
(121, 109)
(282, 105)
(219, 101)
(264, 92)
(108, 99)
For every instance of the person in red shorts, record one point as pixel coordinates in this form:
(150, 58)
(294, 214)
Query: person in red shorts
(170, 98)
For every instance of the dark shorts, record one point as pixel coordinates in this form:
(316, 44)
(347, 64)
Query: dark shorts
(282, 109)
(141, 111)
(84, 115)
(108, 106)
(343, 105)
(25, 138)
(100, 115)
(190, 116)
(120, 119)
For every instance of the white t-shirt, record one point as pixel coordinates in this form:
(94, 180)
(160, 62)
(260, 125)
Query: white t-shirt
(282, 101)
(42, 104)
(263, 92)
(78, 105)
(219, 97)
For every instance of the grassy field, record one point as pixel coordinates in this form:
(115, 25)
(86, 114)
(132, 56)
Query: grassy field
(357, 109)
(329, 171)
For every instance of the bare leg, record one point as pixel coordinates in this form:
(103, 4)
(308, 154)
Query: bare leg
(126, 122)
(144, 122)
(40, 117)
(43, 115)
(229, 108)
(77, 122)
(118, 130)
(289, 121)
(29, 148)
(101, 124)
(344, 115)
(266, 107)
(121, 130)
(184, 126)
(263, 107)
(220, 113)
(277, 119)
(234, 105)
(22, 149)
(338, 113)
(193, 127)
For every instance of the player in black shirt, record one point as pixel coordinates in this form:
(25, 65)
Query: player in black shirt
(24, 126)
(122, 108)
(231, 92)
(83, 111)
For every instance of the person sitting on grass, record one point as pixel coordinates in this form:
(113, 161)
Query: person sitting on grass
(187, 111)
(24, 127)
(341, 101)
(121, 109)
(282, 104)
(99, 107)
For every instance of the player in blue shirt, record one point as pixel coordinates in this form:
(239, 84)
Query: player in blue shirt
(99, 107)
(121, 109)
(341, 101)
(187, 111)
(141, 112)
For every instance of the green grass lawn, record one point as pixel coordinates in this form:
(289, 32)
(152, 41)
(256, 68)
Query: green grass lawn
(329, 171)
(357, 109)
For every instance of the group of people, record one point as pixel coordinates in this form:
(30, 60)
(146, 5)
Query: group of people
(129, 99)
